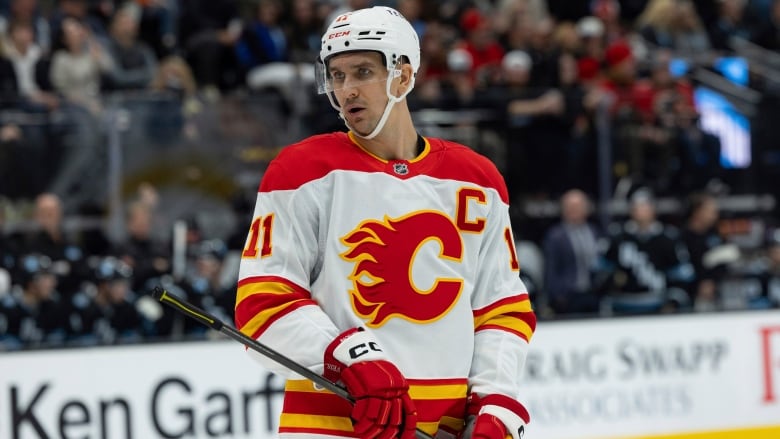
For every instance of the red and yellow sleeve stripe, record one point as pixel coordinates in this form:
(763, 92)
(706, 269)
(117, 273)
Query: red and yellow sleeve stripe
(512, 314)
(261, 300)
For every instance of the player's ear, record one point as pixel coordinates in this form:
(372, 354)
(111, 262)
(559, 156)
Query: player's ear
(405, 80)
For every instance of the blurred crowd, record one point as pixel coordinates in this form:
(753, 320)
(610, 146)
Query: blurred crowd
(60, 288)
(540, 71)
(649, 264)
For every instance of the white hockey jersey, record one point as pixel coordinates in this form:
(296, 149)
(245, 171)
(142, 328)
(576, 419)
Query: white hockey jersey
(418, 252)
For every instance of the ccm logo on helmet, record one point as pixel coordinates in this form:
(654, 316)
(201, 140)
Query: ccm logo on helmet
(342, 33)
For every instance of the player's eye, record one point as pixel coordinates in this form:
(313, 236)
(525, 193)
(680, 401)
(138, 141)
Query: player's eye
(364, 72)
(337, 76)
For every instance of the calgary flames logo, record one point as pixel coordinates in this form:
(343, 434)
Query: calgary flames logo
(384, 253)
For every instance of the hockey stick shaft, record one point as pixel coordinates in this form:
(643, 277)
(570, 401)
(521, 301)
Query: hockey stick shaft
(216, 324)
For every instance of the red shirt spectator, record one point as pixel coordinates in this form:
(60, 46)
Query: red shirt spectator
(631, 96)
(481, 43)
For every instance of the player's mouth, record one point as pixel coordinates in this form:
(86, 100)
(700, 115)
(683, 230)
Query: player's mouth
(355, 111)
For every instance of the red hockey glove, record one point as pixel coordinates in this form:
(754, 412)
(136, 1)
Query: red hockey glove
(497, 417)
(383, 408)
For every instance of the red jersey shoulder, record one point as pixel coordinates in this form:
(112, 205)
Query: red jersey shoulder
(310, 159)
(459, 162)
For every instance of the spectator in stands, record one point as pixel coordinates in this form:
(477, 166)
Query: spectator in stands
(77, 68)
(660, 146)
(698, 151)
(79, 11)
(571, 253)
(105, 313)
(509, 14)
(544, 54)
(622, 81)
(592, 40)
(673, 24)
(532, 119)
(646, 264)
(566, 39)
(175, 111)
(9, 88)
(33, 315)
(27, 13)
(303, 31)
(577, 128)
(729, 24)
(50, 239)
(456, 88)
(208, 34)
(148, 257)
(133, 62)
(481, 43)
(75, 74)
(24, 54)
(263, 39)
(434, 67)
(636, 137)
(159, 25)
(709, 253)
(204, 284)
(663, 87)
(514, 29)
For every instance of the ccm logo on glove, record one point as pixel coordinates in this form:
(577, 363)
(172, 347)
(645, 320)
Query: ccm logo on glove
(361, 349)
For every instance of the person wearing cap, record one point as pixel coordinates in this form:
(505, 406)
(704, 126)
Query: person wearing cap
(532, 118)
(591, 33)
(480, 41)
(640, 143)
(622, 79)
(104, 312)
(32, 314)
(378, 252)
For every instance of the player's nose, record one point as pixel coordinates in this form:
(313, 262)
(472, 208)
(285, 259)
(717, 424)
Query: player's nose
(351, 92)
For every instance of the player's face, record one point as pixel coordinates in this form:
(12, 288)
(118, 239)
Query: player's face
(359, 82)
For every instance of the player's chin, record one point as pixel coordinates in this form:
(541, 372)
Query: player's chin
(362, 127)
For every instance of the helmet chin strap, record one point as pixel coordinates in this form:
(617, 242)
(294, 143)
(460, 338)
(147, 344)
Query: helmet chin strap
(391, 100)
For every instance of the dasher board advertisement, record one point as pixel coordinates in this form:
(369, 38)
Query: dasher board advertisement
(695, 376)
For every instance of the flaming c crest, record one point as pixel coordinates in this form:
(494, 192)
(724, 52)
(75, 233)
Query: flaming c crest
(384, 252)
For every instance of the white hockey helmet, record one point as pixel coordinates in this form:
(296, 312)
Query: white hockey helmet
(380, 29)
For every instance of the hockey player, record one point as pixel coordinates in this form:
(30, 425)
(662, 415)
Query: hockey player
(385, 261)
